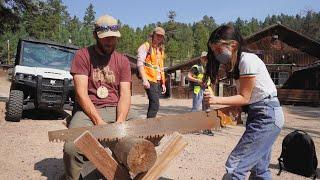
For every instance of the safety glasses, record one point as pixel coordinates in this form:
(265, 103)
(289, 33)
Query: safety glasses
(113, 28)
(221, 45)
(225, 43)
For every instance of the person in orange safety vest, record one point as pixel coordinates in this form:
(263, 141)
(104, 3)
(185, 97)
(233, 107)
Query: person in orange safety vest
(150, 65)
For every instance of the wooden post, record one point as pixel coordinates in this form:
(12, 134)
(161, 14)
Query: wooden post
(8, 44)
(96, 153)
(137, 154)
(171, 149)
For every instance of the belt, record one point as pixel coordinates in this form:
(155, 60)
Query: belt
(272, 95)
(157, 82)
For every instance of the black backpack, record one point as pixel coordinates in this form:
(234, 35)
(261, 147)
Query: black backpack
(298, 154)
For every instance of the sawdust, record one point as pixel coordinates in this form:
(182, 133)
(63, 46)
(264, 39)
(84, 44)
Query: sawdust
(27, 154)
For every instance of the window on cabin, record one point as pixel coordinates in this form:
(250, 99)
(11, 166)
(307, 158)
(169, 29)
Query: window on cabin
(279, 78)
(186, 81)
(184, 77)
(178, 75)
(283, 77)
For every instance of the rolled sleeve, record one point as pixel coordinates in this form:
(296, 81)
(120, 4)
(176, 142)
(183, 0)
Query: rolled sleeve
(248, 67)
(142, 54)
(125, 74)
(80, 64)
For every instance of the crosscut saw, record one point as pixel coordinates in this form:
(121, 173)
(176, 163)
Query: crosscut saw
(151, 128)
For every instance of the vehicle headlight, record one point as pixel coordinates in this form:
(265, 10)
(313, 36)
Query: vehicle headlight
(25, 77)
(20, 76)
(29, 77)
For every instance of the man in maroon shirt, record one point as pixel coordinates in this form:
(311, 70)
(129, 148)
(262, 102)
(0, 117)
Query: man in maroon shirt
(102, 80)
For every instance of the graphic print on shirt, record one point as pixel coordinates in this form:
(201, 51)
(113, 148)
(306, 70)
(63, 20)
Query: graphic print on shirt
(104, 75)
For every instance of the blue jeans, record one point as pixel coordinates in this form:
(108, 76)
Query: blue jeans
(153, 95)
(197, 101)
(253, 151)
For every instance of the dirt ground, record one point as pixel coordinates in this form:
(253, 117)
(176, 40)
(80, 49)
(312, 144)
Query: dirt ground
(4, 86)
(26, 152)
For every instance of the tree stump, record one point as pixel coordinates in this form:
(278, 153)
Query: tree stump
(137, 154)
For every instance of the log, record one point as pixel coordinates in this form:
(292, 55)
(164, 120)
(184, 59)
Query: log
(137, 154)
(96, 153)
(172, 148)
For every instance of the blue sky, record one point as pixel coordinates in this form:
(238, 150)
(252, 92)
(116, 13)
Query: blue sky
(137, 13)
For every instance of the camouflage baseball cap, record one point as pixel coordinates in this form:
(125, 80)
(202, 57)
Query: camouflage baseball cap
(107, 26)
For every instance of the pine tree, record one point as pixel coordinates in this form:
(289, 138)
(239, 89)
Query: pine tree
(201, 36)
(89, 16)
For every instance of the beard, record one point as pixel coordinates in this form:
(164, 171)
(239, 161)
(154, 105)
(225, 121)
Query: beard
(105, 49)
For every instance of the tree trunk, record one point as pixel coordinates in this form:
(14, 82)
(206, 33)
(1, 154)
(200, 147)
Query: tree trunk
(137, 154)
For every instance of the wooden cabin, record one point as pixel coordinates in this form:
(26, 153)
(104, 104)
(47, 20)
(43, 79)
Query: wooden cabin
(283, 50)
(136, 85)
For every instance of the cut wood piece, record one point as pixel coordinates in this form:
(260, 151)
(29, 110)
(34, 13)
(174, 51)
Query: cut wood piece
(171, 149)
(96, 153)
(137, 154)
(225, 119)
(229, 115)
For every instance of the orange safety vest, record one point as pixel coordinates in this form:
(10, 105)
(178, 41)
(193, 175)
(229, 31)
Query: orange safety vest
(152, 64)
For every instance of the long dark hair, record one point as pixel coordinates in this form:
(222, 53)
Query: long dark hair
(224, 32)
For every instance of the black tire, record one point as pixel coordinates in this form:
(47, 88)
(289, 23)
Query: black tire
(14, 106)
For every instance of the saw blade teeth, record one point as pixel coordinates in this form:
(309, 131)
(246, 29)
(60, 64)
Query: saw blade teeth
(111, 139)
(143, 128)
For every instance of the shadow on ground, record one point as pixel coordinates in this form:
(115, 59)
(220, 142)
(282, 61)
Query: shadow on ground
(163, 110)
(37, 114)
(276, 166)
(52, 168)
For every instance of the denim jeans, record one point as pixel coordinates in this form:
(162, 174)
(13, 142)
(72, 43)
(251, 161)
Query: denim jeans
(253, 151)
(197, 101)
(153, 95)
